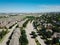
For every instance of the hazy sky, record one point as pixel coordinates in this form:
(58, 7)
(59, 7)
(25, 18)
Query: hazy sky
(9, 6)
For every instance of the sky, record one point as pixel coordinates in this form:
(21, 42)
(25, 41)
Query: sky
(29, 6)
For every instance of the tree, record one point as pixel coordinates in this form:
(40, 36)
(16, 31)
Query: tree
(34, 35)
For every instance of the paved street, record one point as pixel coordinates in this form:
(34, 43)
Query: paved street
(28, 29)
(7, 36)
(15, 37)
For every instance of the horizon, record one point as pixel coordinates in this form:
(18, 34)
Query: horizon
(29, 6)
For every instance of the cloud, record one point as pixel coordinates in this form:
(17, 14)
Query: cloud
(49, 8)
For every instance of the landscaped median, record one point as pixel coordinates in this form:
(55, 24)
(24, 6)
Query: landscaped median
(3, 33)
(23, 38)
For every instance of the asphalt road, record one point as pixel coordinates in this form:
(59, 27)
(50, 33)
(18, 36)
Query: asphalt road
(7, 36)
